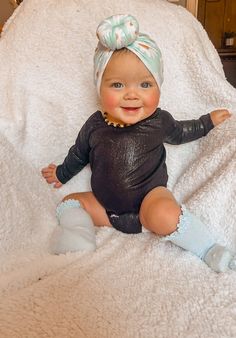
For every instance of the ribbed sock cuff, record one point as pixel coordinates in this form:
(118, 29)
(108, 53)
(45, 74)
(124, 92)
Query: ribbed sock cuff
(70, 203)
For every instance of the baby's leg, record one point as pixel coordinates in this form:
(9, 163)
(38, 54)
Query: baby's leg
(161, 214)
(91, 205)
(77, 214)
(160, 211)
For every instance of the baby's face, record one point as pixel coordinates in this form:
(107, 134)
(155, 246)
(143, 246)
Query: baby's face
(129, 92)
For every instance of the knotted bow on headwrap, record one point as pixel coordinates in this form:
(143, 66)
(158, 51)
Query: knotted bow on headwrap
(122, 31)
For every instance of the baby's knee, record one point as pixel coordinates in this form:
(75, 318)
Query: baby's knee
(166, 212)
(166, 208)
(163, 208)
(161, 216)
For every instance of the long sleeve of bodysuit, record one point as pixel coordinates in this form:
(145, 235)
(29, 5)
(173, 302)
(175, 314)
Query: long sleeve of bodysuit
(178, 132)
(76, 159)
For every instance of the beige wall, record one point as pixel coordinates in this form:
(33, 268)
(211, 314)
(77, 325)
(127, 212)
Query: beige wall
(182, 3)
(191, 5)
(179, 2)
(6, 10)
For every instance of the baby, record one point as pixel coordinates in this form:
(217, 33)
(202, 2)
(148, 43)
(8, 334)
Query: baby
(124, 145)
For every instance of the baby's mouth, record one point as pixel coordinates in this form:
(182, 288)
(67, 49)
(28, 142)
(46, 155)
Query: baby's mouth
(130, 108)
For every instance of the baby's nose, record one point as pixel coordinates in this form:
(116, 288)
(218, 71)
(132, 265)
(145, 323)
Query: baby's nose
(131, 94)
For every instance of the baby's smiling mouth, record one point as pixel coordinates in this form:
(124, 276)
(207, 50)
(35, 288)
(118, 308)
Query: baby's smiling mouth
(130, 108)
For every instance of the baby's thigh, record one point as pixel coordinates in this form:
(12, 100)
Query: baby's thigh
(89, 202)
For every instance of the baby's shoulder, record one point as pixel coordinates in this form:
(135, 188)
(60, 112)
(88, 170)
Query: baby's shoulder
(94, 117)
(163, 116)
(94, 120)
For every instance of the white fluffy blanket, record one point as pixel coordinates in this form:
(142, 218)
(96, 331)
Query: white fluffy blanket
(133, 285)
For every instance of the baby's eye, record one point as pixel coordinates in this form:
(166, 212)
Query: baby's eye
(117, 85)
(146, 85)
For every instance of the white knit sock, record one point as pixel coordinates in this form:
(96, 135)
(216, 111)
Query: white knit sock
(75, 232)
(219, 258)
(193, 235)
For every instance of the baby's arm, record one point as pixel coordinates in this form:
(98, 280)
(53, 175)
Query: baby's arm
(220, 115)
(178, 132)
(49, 173)
(76, 159)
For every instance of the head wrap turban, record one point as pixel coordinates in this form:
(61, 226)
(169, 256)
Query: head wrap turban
(122, 31)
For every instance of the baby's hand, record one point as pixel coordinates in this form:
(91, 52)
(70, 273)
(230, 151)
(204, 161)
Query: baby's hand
(49, 173)
(220, 115)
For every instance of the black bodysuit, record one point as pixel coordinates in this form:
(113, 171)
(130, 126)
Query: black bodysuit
(128, 162)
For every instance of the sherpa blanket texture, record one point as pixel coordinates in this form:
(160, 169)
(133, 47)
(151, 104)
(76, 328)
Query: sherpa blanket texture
(133, 285)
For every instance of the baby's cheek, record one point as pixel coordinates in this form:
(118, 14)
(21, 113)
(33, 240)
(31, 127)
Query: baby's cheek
(153, 100)
(109, 102)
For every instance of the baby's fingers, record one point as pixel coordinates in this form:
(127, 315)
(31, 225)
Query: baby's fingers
(47, 173)
(50, 179)
(52, 166)
(225, 115)
(58, 185)
(224, 112)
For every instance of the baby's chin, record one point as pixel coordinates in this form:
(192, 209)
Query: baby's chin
(134, 117)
